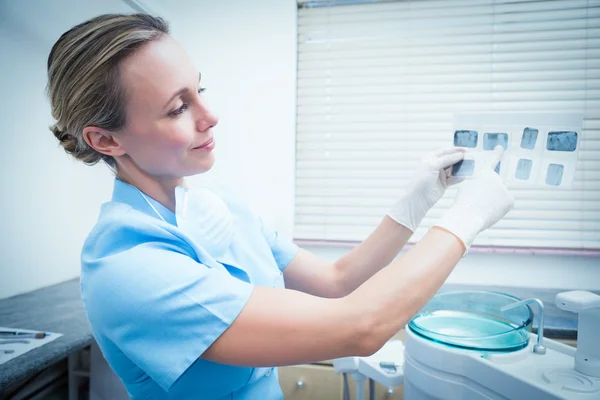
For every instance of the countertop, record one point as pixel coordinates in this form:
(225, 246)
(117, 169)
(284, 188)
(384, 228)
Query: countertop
(58, 308)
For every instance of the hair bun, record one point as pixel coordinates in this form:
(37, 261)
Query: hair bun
(59, 133)
(80, 151)
(67, 140)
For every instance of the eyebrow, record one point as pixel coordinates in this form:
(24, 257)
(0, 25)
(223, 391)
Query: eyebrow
(181, 91)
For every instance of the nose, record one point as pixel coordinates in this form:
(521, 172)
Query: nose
(205, 118)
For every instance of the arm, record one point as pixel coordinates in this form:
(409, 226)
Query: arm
(282, 326)
(311, 274)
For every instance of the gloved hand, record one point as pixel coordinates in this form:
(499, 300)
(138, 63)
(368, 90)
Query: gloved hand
(426, 188)
(480, 202)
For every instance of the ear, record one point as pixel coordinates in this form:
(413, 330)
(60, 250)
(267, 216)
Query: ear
(103, 141)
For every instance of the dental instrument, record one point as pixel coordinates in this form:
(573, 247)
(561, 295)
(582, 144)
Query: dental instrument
(19, 334)
(10, 341)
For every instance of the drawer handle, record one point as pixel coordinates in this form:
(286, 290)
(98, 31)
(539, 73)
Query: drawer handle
(300, 384)
(390, 392)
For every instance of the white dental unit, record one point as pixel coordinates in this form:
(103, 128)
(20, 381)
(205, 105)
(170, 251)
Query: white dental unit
(477, 345)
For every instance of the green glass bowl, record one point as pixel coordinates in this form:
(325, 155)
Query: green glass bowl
(472, 320)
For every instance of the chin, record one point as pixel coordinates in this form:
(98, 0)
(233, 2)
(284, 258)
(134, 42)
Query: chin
(205, 165)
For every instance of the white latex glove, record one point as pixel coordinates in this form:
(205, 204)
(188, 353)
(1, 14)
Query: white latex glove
(427, 187)
(480, 202)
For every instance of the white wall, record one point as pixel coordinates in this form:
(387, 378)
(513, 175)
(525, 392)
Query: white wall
(518, 270)
(49, 202)
(246, 51)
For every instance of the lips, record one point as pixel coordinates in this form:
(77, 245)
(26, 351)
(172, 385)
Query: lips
(208, 143)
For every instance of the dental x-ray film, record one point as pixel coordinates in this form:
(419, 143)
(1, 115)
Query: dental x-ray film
(529, 138)
(554, 174)
(562, 141)
(465, 139)
(463, 168)
(541, 150)
(491, 140)
(523, 170)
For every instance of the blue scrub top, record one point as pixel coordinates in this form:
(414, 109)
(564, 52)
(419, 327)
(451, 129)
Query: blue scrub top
(156, 300)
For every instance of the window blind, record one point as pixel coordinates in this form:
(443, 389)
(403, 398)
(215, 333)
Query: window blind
(379, 83)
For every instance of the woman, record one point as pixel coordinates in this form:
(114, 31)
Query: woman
(188, 294)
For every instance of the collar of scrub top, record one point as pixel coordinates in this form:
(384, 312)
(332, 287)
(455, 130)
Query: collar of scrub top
(128, 194)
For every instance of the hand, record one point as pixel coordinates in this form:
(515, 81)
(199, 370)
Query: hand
(427, 187)
(480, 202)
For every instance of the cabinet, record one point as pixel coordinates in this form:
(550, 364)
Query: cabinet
(319, 381)
(381, 392)
(310, 382)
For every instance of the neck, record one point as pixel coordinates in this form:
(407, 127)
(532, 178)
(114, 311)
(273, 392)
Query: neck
(161, 189)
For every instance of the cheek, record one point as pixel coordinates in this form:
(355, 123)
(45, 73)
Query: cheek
(162, 140)
(176, 136)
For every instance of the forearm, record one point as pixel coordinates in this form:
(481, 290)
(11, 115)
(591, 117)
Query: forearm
(370, 256)
(379, 249)
(396, 293)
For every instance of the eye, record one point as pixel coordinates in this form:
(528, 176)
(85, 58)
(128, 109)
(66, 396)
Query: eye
(179, 110)
(184, 106)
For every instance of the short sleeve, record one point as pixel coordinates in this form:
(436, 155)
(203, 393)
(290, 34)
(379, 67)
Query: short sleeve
(160, 306)
(284, 250)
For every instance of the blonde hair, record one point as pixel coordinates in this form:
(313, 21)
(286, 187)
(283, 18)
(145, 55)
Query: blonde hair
(83, 77)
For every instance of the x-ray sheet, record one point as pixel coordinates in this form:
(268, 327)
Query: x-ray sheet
(12, 347)
(541, 150)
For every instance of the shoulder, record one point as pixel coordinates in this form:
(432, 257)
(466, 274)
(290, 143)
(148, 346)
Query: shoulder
(126, 255)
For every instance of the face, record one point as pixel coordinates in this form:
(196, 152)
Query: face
(168, 133)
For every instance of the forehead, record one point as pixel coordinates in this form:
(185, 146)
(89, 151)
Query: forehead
(157, 70)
